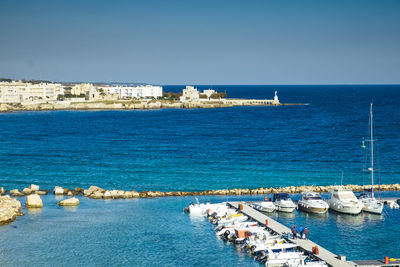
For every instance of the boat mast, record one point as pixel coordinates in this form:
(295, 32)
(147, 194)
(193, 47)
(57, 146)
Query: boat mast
(372, 152)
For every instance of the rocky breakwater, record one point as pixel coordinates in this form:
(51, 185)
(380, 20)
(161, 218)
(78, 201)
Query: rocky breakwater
(10, 208)
(99, 193)
(32, 189)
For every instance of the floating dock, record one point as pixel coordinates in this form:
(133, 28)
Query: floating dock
(307, 245)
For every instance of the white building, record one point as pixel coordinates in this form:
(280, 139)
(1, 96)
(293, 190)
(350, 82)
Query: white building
(140, 91)
(190, 94)
(19, 92)
(208, 92)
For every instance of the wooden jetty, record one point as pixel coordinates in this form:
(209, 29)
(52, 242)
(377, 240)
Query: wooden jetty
(307, 245)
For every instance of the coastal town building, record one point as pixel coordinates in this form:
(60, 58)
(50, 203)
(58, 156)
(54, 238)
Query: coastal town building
(209, 92)
(140, 91)
(19, 92)
(82, 88)
(190, 94)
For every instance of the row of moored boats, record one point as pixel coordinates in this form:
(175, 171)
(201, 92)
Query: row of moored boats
(265, 246)
(341, 200)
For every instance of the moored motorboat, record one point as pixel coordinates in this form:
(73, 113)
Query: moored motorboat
(312, 202)
(344, 201)
(283, 202)
(264, 206)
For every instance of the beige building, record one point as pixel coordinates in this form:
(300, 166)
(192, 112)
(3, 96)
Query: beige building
(82, 88)
(19, 92)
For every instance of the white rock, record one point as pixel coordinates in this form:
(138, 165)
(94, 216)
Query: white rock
(69, 202)
(92, 189)
(10, 208)
(34, 201)
(2, 191)
(27, 191)
(107, 195)
(16, 193)
(58, 190)
(70, 194)
(34, 187)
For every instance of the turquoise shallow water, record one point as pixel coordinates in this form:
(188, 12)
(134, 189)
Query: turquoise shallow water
(156, 232)
(168, 150)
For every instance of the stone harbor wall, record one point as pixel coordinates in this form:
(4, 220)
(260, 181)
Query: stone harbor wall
(100, 193)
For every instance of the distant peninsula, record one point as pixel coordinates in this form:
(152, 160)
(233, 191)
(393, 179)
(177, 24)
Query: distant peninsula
(44, 95)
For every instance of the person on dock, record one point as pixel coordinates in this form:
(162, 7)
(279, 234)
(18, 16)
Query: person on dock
(301, 231)
(306, 232)
(294, 231)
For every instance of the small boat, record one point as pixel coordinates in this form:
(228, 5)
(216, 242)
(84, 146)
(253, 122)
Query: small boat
(265, 206)
(371, 204)
(280, 255)
(283, 202)
(312, 202)
(344, 201)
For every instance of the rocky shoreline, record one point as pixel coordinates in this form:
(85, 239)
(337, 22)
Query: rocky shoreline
(100, 193)
(123, 105)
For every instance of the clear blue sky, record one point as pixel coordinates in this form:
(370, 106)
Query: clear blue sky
(202, 42)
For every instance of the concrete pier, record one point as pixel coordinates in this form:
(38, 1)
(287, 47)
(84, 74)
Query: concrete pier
(330, 258)
(307, 245)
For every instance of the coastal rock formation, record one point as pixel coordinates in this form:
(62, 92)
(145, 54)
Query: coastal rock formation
(41, 192)
(107, 195)
(10, 208)
(58, 190)
(34, 187)
(69, 202)
(16, 193)
(2, 191)
(27, 191)
(92, 190)
(34, 201)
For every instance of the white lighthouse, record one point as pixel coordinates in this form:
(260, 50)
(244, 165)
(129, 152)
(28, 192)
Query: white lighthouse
(276, 100)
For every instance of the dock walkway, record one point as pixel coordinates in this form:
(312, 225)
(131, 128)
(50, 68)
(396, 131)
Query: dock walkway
(324, 254)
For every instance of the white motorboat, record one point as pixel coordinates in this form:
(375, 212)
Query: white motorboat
(312, 202)
(283, 202)
(344, 201)
(371, 204)
(265, 206)
(281, 255)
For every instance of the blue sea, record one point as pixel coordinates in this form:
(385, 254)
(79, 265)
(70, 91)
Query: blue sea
(194, 150)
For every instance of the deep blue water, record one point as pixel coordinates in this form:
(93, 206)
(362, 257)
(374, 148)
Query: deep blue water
(198, 149)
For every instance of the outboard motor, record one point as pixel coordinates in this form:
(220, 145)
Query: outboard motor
(226, 235)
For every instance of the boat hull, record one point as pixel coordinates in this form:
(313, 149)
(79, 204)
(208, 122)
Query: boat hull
(312, 209)
(352, 210)
(285, 209)
(375, 208)
(264, 207)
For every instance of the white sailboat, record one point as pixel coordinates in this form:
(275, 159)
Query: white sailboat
(371, 204)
